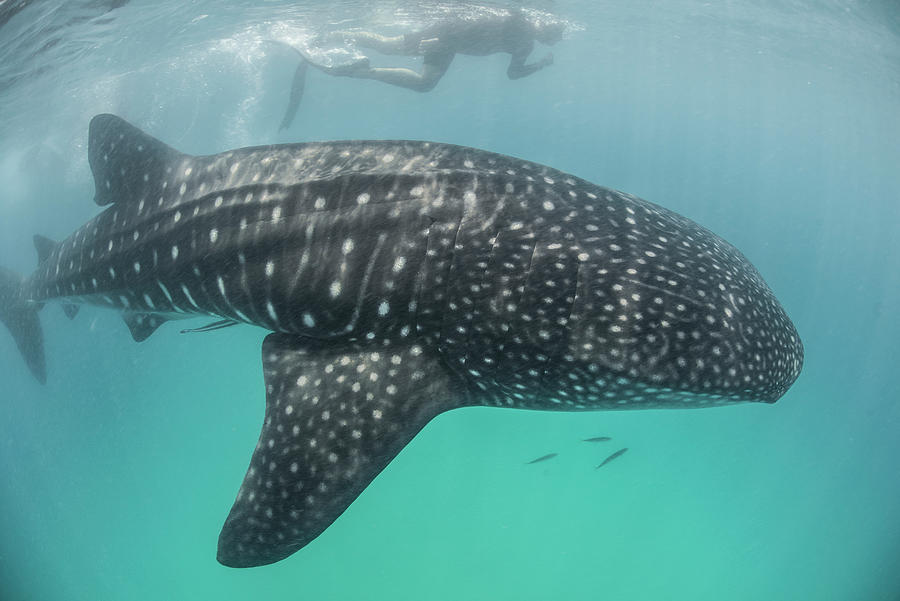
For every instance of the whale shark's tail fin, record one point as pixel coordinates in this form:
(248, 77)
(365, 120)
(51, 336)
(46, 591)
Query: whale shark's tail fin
(21, 318)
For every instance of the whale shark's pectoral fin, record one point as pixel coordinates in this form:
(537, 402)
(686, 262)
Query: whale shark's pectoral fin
(143, 324)
(334, 420)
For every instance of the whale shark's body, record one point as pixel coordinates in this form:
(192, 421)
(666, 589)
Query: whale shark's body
(402, 279)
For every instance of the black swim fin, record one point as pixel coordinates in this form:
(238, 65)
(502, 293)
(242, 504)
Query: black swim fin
(297, 87)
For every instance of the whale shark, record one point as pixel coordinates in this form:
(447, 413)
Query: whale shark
(399, 280)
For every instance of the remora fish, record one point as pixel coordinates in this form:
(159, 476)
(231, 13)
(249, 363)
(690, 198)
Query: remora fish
(400, 280)
(618, 453)
(542, 458)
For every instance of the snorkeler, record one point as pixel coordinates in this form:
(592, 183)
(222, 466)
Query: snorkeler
(510, 32)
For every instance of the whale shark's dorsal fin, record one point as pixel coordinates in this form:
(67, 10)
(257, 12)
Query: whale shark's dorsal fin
(334, 420)
(128, 165)
(44, 246)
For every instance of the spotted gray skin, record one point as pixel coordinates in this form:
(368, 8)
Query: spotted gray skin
(402, 279)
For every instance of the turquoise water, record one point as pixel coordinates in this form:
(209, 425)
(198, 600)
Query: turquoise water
(772, 123)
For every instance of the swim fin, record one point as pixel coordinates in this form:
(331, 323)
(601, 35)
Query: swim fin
(297, 87)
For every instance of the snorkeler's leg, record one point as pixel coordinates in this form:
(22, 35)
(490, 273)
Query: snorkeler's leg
(400, 44)
(405, 78)
(434, 68)
(297, 87)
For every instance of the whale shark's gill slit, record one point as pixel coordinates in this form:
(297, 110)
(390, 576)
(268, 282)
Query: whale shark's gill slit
(252, 310)
(168, 296)
(189, 297)
(445, 281)
(550, 292)
(576, 289)
(528, 271)
(207, 298)
(364, 284)
(419, 279)
(232, 305)
(485, 343)
(250, 314)
(273, 315)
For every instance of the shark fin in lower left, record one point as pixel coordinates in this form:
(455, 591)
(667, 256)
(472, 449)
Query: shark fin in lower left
(21, 318)
(334, 420)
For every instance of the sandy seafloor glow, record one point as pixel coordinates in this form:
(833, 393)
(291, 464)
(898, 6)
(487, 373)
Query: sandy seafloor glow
(772, 123)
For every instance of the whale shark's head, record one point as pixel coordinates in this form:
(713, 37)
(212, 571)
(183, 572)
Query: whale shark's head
(670, 314)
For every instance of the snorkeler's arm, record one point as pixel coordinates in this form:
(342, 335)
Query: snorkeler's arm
(517, 67)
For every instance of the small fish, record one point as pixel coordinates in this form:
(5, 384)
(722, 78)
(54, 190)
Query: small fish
(216, 325)
(611, 457)
(543, 458)
(597, 439)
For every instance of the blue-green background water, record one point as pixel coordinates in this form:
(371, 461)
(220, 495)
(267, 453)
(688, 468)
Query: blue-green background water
(773, 123)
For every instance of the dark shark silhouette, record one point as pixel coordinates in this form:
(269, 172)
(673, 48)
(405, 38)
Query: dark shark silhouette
(402, 279)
